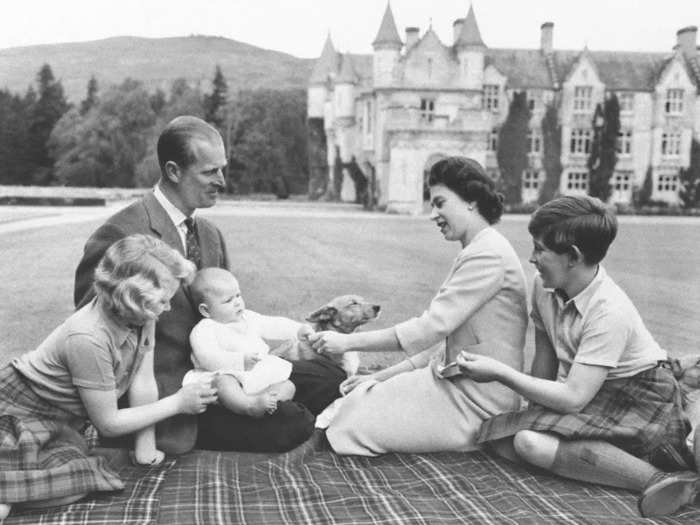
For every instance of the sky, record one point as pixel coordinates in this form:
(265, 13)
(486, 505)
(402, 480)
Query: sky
(299, 27)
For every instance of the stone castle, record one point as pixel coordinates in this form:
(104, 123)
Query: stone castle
(389, 116)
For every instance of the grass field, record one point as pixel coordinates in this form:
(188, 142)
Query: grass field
(289, 265)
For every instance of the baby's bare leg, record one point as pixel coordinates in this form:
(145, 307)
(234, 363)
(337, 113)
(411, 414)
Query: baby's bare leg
(232, 396)
(285, 390)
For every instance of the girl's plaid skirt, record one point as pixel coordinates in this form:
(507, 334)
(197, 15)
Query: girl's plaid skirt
(43, 455)
(641, 414)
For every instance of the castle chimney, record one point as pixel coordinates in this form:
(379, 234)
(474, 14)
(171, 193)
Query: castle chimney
(457, 29)
(411, 36)
(687, 41)
(547, 37)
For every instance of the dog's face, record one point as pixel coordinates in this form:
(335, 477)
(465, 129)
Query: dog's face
(687, 371)
(344, 314)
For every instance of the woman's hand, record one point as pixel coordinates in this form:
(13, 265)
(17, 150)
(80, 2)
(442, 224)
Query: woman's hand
(193, 398)
(479, 367)
(351, 382)
(329, 342)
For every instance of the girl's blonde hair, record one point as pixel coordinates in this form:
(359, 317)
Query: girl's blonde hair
(132, 273)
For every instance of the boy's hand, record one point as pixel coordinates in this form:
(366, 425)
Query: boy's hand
(193, 398)
(250, 359)
(479, 367)
(304, 331)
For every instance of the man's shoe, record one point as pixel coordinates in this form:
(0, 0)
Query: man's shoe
(667, 492)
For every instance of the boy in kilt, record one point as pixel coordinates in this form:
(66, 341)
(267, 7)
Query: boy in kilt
(103, 350)
(604, 404)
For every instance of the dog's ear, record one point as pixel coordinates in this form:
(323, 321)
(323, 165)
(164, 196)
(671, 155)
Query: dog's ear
(323, 314)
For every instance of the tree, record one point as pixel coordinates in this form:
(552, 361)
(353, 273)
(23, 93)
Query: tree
(642, 196)
(104, 147)
(690, 178)
(15, 160)
(512, 148)
(49, 107)
(551, 159)
(215, 103)
(91, 96)
(603, 156)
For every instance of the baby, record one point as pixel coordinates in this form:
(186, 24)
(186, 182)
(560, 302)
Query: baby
(230, 342)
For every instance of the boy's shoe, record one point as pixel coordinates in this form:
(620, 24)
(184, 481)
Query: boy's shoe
(667, 492)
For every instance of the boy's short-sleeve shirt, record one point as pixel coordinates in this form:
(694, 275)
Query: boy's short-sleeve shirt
(89, 350)
(600, 326)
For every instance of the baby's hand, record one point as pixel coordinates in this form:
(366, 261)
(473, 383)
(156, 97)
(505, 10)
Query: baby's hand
(150, 457)
(304, 331)
(250, 359)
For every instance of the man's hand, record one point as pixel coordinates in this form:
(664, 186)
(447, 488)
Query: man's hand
(329, 342)
(351, 382)
(479, 367)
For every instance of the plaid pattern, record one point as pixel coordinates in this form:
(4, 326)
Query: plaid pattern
(641, 414)
(136, 505)
(42, 454)
(312, 485)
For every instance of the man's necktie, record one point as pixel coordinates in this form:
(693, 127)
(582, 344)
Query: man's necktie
(194, 254)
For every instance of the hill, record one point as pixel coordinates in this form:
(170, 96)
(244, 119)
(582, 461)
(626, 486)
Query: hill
(154, 61)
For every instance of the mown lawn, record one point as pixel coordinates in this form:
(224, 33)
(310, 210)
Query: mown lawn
(291, 265)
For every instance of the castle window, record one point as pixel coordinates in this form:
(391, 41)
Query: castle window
(531, 180)
(671, 144)
(624, 143)
(583, 99)
(492, 144)
(667, 183)
(534, 141)
(577, 181)
(674, 101)
(427, 109)
(580, 141)
(626, 101)
(490, 97)
(622, 181)
(430, 67)
(531, 100)
(368, 117)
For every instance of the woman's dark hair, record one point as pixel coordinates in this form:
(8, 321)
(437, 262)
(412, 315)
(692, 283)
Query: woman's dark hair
(468, 179)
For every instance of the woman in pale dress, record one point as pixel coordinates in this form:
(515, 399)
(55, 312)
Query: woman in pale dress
(481, 307)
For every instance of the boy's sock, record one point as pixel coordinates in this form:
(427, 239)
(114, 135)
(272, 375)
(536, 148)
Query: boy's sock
(602, 463)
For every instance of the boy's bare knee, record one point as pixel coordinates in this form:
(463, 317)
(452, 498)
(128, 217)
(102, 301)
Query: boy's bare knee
(534, 447)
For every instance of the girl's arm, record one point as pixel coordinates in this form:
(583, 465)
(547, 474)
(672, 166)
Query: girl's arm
(383, 340)
(111, 421)
(572, 395)
(144, 390)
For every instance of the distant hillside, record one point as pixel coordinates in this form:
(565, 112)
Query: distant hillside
(154, 61)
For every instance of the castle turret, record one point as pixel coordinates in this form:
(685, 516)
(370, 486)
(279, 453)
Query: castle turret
(324, 71)
(387, 49)
(470, 52)
(345, 89)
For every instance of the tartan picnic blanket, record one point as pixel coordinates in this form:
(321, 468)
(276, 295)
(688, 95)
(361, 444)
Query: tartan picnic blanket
(313, 485)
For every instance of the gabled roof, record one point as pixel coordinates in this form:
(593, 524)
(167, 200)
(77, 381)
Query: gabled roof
(347, 73)
(387, 34)
(326, 64)
(470, 34)
(524, 68)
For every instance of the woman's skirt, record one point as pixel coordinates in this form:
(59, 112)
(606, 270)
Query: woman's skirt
(43, 455)
(641, 414)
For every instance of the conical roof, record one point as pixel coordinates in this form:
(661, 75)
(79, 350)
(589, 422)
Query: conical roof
(470, 34)
(327, 63)
(347, 71)
(388, 34)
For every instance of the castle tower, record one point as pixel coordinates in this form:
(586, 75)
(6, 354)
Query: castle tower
(470, 52)
(387, 49)
(345, 89)
(324, 71)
